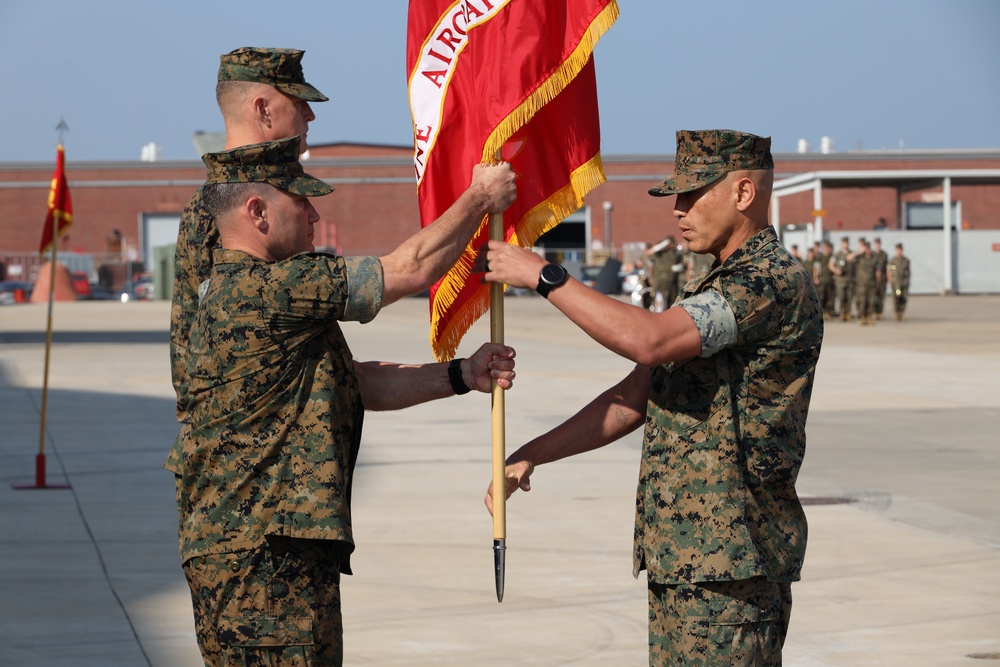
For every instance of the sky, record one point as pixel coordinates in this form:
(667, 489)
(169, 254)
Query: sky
(869, 74)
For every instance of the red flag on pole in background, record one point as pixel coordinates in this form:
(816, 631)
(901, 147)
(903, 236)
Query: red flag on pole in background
(60, 215)
(510, 75)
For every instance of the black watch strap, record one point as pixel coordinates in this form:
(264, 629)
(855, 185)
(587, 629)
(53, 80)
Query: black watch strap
(550, 277)
(455, 377)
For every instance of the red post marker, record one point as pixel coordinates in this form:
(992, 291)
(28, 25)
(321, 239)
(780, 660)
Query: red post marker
(40, 482)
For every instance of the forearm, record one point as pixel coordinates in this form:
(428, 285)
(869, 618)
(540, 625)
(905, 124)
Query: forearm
(427, 255)
(637, 334)
(612, 415)
(391, 386)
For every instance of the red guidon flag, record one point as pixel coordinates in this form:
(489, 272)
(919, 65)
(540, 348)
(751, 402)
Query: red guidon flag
(510, 75)
(60, 215)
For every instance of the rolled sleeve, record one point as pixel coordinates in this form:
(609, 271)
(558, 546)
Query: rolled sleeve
(364, 288)
(714, 318)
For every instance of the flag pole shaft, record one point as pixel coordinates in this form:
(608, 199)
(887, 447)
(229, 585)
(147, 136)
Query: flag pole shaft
(48, 344)
(40, 459)
(499, 435)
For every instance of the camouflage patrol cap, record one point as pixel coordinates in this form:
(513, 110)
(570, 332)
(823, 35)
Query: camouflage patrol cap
(705, 156)
(279, 68)
(273, 162)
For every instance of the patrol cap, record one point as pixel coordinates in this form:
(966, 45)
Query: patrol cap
(705, 156)
(273, 162)
(279, 68)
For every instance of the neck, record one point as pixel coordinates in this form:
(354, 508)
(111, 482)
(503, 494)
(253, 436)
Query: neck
(243, 136)
(741, 236)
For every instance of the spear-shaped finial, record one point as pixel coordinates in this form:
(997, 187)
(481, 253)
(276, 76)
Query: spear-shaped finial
(62, 128)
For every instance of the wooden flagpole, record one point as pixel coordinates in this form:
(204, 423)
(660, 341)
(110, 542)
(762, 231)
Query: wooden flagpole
(40, 481)
(499, 435)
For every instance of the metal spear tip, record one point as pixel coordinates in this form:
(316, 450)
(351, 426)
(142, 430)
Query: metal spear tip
(499, 550)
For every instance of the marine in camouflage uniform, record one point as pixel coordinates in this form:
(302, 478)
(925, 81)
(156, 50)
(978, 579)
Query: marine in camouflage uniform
(881, 264)
(843, 278)
(198, 236)
(899, 281)
(664, 256)
(722, 388)
(827, 290)
(275, 405)
(864, 281)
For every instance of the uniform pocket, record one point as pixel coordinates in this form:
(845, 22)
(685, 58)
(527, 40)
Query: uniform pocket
(251, 631)
(747, 631)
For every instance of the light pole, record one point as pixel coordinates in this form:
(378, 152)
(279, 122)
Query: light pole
(607, 227)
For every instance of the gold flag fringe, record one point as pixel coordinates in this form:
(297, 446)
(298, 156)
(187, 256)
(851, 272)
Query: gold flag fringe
(540, 219)
(553, 85)
(537, 221)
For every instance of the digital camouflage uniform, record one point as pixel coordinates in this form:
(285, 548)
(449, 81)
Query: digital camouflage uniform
(719, 527)
(664, 278)
(899, 278)
(264, 463)
(197, 240)
(198, 237)
(827, 291)
(864, 286)
(276, 420)
(881, 264)
(844, 283)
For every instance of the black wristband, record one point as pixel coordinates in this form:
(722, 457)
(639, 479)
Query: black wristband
(455, 377)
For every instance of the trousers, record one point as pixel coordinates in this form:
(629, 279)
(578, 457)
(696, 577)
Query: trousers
(277, 605)
(711, 624)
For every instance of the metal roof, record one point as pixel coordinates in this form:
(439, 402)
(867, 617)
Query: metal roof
(902, 179)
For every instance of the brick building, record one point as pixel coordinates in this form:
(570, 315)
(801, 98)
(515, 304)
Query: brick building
(125, 210)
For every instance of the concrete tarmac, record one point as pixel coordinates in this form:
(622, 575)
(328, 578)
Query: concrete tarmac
(900, 479)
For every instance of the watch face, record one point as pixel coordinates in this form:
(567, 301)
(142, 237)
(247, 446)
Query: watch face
(553, 274)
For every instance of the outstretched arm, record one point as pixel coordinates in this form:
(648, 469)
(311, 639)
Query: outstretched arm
(647, 338)
(612, 415)
(427, 255)
(391, 386)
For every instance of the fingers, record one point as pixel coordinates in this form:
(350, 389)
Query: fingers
(489, 499)
(492, 249)
(493, 361)
(517, 476)
(499, 350)
(481, 264)
(501, 182)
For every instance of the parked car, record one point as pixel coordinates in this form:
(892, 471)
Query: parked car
(144, 287)
(141, 289)
(99, 292)
(81, 284)
(589, 274)
(14, 291)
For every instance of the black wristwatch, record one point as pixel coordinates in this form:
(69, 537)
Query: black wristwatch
(551, 277)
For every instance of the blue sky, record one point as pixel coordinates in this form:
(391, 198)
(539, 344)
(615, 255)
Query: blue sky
(871, 74)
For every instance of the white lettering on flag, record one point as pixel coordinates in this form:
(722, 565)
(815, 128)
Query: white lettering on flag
(435, 67)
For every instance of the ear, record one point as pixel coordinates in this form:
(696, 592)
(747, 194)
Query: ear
(256, 212)
(261, 111)
(745, 192)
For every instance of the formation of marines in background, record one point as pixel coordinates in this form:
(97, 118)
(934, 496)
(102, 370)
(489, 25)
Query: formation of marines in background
(852, 284)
